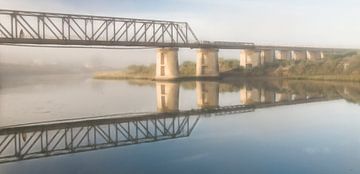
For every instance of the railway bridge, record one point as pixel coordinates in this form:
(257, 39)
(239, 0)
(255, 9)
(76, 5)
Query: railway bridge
(43, 28)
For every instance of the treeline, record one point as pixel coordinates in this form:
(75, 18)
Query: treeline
(347, 64)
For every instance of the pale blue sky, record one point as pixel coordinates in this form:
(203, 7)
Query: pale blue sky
(323, 23)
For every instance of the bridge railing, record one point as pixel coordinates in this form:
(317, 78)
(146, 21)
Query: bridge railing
(56, 28)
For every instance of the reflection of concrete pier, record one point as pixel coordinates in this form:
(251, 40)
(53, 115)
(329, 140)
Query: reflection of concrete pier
(249, 96)
(167, 95)
(298, 96)
(280, 97)
(207, 94)
(267, 96)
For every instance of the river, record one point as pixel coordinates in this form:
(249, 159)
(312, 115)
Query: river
(76, 124)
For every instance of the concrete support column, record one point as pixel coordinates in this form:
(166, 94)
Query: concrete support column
(298, 55)
(207, 94)
(267, 56)
(167, 66)
(313, 55)
(207, 63)
(250, 58)
(167, 96)
(282, 54)
(322, 55)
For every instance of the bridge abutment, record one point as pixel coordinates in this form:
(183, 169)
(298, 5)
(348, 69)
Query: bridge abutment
(207, 63)
(167, 65)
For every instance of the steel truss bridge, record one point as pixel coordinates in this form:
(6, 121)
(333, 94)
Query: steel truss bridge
(45, 139)
(43, 28)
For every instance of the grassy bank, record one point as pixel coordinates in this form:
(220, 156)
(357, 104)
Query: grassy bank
(187, 70)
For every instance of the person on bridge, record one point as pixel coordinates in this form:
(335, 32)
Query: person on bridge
(21, 34)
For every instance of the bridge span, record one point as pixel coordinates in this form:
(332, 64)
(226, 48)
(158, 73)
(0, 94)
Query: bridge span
(43, 28)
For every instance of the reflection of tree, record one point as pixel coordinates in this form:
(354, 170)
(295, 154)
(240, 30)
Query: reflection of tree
(228, 88)
(351, 93)
(282, 88)
(188, 85)
(141, 83)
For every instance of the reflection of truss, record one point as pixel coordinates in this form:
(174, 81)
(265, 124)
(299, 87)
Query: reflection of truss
(70, 136)
(63, 138)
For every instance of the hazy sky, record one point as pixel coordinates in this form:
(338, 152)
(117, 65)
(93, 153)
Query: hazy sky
(324, 23)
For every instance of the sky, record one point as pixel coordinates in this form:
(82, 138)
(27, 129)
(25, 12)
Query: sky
(321, 23)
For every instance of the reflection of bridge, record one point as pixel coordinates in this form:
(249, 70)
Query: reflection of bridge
(23, 27)
(37, 140)
(50, 139)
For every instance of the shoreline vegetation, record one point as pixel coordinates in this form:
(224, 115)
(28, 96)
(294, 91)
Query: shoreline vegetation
(339, 67)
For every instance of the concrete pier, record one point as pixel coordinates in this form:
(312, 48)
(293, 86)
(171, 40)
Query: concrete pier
(250, 58)
(298, 55)
(282, 55)
(266, 56)
(314, 55)
(167, 66)
(167, 96)
(207, 94)
(207, 63)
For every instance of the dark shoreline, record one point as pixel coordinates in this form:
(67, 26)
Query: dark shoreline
(237, 77)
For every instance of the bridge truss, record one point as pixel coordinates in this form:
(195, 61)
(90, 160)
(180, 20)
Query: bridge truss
(24, 27)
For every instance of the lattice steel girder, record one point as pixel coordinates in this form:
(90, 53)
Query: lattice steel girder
(70, 29)
(56, 139)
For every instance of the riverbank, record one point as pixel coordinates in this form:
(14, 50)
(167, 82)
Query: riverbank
(124, 76)
(118, 75)
(147, 72)
(339, 78)
(345, 67)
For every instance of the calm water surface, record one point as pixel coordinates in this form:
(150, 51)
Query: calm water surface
(75, 124)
